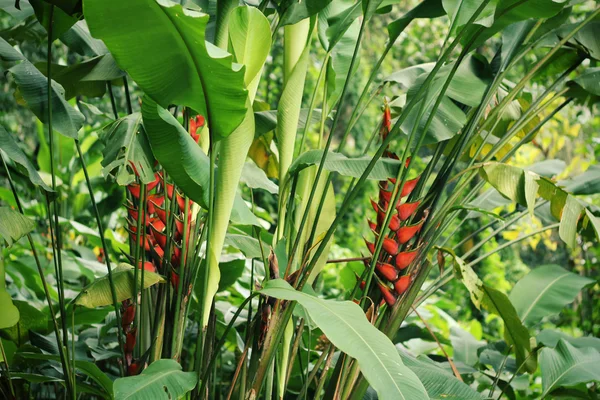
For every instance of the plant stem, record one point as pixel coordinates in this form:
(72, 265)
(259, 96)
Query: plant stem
(111, 281)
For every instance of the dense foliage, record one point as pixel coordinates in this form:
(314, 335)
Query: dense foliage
(336, 199)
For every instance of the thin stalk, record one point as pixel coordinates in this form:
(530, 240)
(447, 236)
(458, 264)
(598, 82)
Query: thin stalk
(177, 326)
(313, 373)
(514, 375)
(323, 377)
(113, 104)
(111, 281)
(2, 352)
(127, 95)
(294, 351)
(497, 377)
(66, 371)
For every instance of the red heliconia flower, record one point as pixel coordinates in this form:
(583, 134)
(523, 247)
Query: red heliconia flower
(370, 246)
(195, 123)
(180, 200)
(160, 253)
(409, 186)
(128, 314)
(394, 222)
(402, 284)
(161, 214)
(407, 209)
(133, 369)
(387, 271)
(372, 225)
(146, 242)
(403, 259)
(155, 201)
(148, 266)
(176, 256)
(408, 232)
(386, 123)
(159, 237)
(130, 340)
(134, 189)
(387, 294)
(390, 246)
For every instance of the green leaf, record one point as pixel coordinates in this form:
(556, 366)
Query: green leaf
(13, 225)
(10, 147)
(9, 53)
(550, 338)
(61, 21)
(87, 78)
(162, 47)
(33, 86)
(10, 313)
(87, 368)
(545, 291)
(523, 187)
(461, 11)
(30, 319)
(425, 9)
(98, 293)
(586, 183)
(248, 245)
(497, 303)
(163, 379)
(439, 382)
(126, 145)
(346, 326)
(297, 11)
(568, 366)
(256, 178)
(78, 39)
(353, 167)
(464, 346)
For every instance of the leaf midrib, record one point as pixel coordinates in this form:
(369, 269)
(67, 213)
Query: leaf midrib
(564, 373)
(537, 298)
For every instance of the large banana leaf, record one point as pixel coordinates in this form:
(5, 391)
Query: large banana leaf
(161, 45)
(568, 366)
(163, 379)
(546, 290)
(13, 226)
(345, 325)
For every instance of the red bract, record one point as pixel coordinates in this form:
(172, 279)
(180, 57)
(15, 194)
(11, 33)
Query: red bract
(133, 369)
(409, 186)
(394, 222)
(148, 266)
(387, 294)
(370, 246)
(195, 123)
(128, 314)
(387, 271)
(404, 258)
(130, 340)
(390, 246)
(408, 232)
(402, 284)
(406, 210)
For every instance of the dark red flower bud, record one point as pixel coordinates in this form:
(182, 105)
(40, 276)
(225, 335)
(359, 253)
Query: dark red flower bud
(387, 271)
(404, 258)
(174, 279)
(128, 314)
(407, 209)
(390, 246)
(408, 232)
(133, 369)
(148, 266)
(130, 340)
(402, 284)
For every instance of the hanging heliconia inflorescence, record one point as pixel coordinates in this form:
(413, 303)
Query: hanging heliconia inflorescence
(153, 238)
(398, 248)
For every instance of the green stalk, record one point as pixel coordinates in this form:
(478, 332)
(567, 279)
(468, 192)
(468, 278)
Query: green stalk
(113, 291)
(3, 291)
(66, 371)
(179, 326)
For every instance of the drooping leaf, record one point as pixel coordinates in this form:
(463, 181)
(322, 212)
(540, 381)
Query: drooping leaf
(126, 146)
(439, 382)
(61, 21)
(524, 186)
(568, 366)
(98, 293)
(9, 53)
(13, 225)
(461, 11)
(33, 86)
(162, 47)
(87, 78)
(545, 291)
(425, 9)
(163, 379)
(10, 147)
(248, 245)
(346, 326)
(266, 121)
(10, 313)
(297, 11)
(79, 39)
(498, 303)
(586, 183)
(464, 346)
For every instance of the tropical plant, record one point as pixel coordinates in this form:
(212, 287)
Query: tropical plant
(195, 161)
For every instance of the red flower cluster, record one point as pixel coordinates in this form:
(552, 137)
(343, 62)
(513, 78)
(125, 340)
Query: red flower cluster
(195, 123)
(397, 250)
